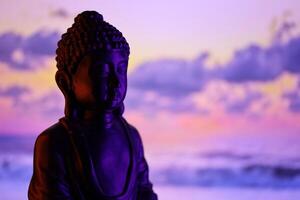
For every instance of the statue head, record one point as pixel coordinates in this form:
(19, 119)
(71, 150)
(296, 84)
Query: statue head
(92, 59)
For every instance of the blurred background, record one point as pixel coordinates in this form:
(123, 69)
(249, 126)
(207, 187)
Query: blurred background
(213, 90)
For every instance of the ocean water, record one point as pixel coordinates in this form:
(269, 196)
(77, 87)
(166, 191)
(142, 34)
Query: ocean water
(218, 172)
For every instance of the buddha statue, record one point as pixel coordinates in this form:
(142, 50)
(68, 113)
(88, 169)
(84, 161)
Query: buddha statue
(92, 152)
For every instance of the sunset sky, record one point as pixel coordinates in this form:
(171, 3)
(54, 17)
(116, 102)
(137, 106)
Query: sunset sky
(197, 68)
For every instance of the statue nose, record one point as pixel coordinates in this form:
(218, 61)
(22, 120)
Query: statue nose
(115, 82)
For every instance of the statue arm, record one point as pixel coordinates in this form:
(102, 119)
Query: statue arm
(49, 173)
(145, 191)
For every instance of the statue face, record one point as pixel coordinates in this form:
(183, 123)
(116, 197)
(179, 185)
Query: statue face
(100, 81)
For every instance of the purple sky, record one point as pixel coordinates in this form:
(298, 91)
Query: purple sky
(195, 66)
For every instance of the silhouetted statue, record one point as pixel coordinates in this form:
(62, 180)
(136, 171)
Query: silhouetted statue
(92, 153)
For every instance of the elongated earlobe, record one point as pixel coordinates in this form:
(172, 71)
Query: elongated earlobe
(65, 85)
(63, 81)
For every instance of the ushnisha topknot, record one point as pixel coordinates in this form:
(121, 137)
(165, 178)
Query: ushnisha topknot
(88, 33)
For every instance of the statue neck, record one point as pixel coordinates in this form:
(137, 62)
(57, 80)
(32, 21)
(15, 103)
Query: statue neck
(98, 119)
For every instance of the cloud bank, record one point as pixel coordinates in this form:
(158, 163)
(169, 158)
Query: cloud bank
(24, 52)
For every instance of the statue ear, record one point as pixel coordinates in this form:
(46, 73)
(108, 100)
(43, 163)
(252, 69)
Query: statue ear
(65, 85)
(63, 81)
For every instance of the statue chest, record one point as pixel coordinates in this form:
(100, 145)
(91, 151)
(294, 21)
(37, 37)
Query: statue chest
(110, 154)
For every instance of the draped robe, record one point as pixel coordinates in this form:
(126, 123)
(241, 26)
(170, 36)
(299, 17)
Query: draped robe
(63, 169)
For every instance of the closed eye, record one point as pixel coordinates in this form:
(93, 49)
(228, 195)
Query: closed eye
(101, 70)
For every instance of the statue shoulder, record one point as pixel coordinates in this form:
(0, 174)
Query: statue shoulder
(132, 130)
(54, 137)
(135, 135)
